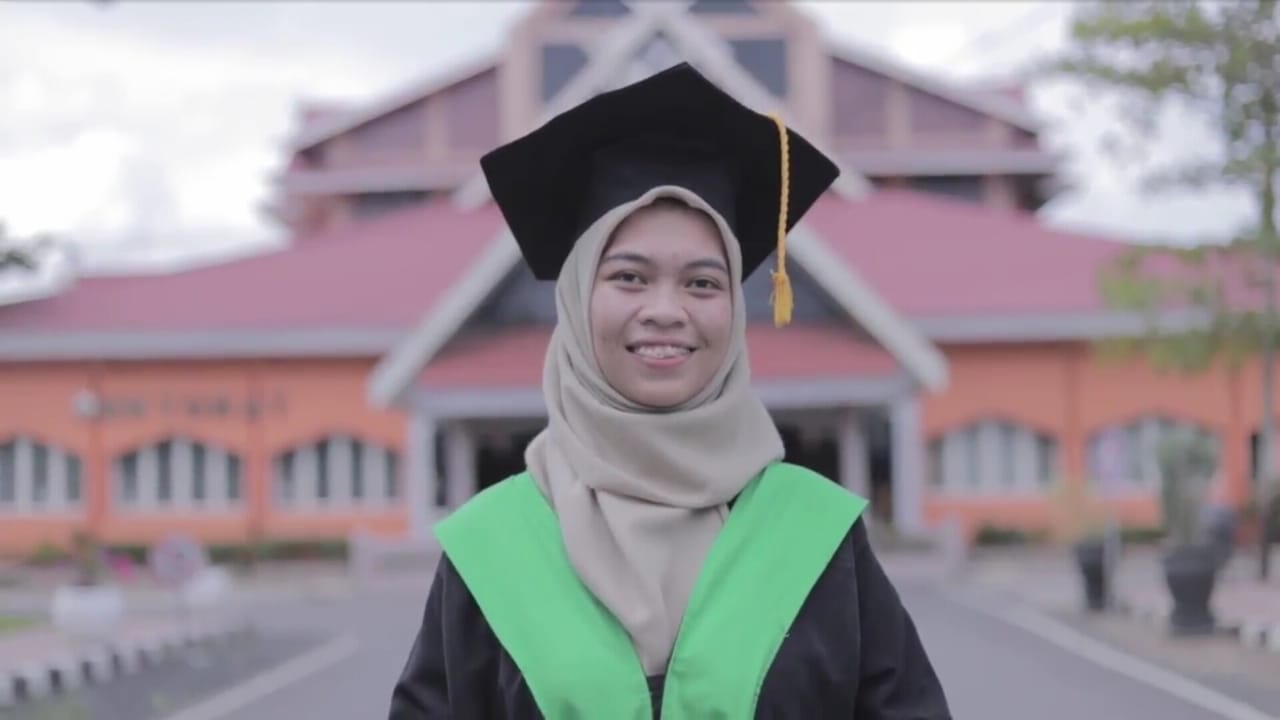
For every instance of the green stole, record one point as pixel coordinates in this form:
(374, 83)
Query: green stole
(578, 661)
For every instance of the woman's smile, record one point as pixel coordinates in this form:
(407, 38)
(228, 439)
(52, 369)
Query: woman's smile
(661, 355)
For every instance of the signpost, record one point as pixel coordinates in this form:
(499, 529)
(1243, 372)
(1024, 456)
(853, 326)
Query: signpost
(175, 561)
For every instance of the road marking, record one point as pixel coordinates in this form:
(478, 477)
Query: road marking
(275, 679)
(1073, 641)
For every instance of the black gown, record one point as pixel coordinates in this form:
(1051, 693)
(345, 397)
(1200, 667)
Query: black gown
(852, 652)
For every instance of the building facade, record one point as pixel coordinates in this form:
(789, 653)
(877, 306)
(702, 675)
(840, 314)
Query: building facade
(386, 365)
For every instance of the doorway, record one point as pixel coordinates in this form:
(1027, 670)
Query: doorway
(498, 460)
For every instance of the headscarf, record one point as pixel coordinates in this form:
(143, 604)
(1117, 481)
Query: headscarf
(640, 494)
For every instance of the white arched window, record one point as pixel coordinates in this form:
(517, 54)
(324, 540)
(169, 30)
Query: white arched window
(337, 471)
(992, 457)
(36, 477)
(1123, 456)
(178, 473)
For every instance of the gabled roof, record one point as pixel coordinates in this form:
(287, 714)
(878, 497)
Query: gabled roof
(1001, 107)
(395, 373)
(703, 49)
(349, 291)
(954, 270)
(338, 122)
(933, 256)
(514, 357)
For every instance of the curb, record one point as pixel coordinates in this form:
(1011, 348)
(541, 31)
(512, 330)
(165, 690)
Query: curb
(1254, 634)
(104, 663)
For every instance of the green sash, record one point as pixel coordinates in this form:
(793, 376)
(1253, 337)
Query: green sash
(578, 661)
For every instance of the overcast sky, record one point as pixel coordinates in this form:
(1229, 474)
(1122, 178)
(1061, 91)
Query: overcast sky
(153, 127)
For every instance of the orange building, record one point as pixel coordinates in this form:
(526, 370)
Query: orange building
(386, 365)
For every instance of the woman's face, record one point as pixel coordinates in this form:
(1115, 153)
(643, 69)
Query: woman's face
(662, 305)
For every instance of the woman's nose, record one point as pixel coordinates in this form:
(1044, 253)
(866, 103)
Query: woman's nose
(663, 307)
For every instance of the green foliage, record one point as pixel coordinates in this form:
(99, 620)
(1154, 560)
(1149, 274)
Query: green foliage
(47, 555)
(1142, 535)
(1216, 62)
(90, 567)
(1214, 59)
(991, 535)
(11, 623)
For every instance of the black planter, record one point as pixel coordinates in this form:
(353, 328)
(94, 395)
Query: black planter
(1091, 559)
(1190, 572)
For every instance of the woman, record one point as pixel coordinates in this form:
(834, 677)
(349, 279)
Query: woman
(658, 559)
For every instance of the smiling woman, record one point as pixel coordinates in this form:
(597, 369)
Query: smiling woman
(627, 578)
(662, 307)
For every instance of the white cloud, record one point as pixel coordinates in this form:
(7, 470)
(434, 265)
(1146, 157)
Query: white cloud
(155, 126)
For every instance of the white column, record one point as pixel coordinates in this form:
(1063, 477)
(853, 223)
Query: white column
(460, 463)
(57, 460)
(9, 470)
(908, 465)
(24, 475)
(148, 477)
(215, 477)
(340, 472)
(852, 439)
(183, 473)
(420, 474)
(305, 477)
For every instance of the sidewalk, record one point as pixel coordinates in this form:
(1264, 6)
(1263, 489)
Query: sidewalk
(1049, 580)
(31, 594)
(41, 661)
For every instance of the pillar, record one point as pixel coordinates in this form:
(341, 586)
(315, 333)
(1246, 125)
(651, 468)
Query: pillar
(852, 440)
(420, 483)
(908, 455)
(460, 464)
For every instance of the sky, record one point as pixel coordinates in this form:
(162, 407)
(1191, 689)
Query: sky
(148, 132)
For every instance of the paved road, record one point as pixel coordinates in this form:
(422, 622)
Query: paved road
(992, 670)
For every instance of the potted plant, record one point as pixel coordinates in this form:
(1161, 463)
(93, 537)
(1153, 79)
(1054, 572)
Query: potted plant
(1079, 520)
(90, 606)
(1187, 462)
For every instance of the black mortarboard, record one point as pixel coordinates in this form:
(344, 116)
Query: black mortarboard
(673, 128)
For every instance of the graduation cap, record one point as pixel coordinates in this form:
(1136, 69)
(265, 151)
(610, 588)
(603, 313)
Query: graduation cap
(673, 128)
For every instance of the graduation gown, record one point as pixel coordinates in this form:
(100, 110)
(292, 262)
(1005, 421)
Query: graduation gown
(852, 652)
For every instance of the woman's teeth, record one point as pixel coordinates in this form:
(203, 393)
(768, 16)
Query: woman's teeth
(661, 351)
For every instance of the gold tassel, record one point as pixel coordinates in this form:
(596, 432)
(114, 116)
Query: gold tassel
(781, 298)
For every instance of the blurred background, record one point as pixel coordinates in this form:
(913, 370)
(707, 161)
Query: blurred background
(261, 326)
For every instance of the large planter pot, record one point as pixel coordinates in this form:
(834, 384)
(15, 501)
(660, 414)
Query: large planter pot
(1092, 561)
(1190, 572)
(91, 612)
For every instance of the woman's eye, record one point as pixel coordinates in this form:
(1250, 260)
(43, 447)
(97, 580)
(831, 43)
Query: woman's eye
(705, 284)
(626, 277)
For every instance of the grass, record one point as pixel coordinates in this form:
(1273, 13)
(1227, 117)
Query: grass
(11, 623)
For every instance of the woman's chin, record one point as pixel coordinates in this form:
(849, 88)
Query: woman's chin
(659, 396)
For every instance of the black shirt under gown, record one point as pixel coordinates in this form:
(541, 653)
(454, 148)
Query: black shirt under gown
(852, 652)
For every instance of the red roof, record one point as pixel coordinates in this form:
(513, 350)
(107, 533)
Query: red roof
(380, 274)
(933, 256)
(928, 256)
(514, 358)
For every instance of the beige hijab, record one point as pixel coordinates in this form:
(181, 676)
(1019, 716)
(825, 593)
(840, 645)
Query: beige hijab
(640, 495)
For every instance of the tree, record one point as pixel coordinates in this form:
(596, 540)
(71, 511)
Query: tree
(1222, 62)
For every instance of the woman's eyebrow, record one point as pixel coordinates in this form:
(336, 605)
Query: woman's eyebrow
(708, 262)
(626, 257)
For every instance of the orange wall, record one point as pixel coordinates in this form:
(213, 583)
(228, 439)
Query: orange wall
(1070, 392)
(299, 400)
(1060, 389)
